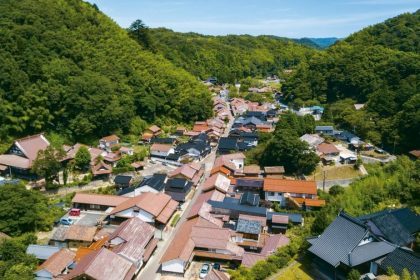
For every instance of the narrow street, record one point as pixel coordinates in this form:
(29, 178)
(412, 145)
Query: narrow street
(152, 269)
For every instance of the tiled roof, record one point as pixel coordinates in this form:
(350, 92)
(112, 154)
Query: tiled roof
(327, 148)
(370, 251)
(136, 235)
(187, 170)
(249, 259)
(252, 169)
(290, 186)
(216, 181)
(110, 138)
(101, 168)
(154, 128)
(15, 161)
(392, 230)
(58, 262)
(80, 233)
(402, 258)
(273, 242)
(98, 199)
(202, 198)
(220, 169)
(103, 265)
(31, 145)
(274, 169)
(216, 275)
(161, 147)
(248, 226)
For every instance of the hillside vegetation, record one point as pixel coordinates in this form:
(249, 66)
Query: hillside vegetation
(229, 58)
(372, 67)
(69, 68)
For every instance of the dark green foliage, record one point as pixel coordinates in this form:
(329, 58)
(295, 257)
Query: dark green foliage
(68, 68)
(378, 66)
(15, 264)
(229, 58)
(353, 275)
(82, 158)
(48, 163)
(336, 190)
(23, 211)
(395, 183)
(288, 150)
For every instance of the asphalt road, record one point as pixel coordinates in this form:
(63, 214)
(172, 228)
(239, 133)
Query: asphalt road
(152, 269)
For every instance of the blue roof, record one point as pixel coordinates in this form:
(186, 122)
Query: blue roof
(41, 252)
(324, 127)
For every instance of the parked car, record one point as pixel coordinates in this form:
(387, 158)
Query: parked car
(74, 212)
(66, 221)
(204, 270)
(216, 266)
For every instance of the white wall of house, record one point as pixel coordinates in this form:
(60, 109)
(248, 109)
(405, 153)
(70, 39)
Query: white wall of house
(176, 266)
(162, 153)
(281, 197)
(239, 163)
(131, 212)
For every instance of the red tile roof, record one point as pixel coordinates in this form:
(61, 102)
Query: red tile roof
(221, 169)
(290, 186)
(98, 199)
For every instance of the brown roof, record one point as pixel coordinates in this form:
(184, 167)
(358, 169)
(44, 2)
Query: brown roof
(15, 161)
(290, 186)
(274, 169)
(101, 168)
(110, 138)
(252, 169)
(327, 148)
(99, 199)
(310, 202)
(280, 219)
(80, 233)
(31, 145)
(103, 265)
(249, 259)
(273, 242)
(202, 198)
(146, 136)
(216, 275)
(138, 164)
(136, 235)
(221, 169)
(159, 205)
(161, 147)
(58, 262)
(216, 181)
(154, 128)
(150, 248)
(186, 170)
(415, 153)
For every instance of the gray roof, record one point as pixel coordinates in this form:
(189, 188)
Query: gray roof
(402, 258)
(41, 252)
(60, 233)
(370, 251)
(248, 226)
(338, 240)
(324, 127)
(392, 230)
(235, 206)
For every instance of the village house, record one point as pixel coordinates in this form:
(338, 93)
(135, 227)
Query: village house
(313, 140)
(96, 202)
(279, 190)
(152, 131)
(274, 171)
(56, 265)
(42, 252)
(250, 184)
(327, 149)
(73, 236)
(133, 240)
(216, 181)
(154, 183)
(252, 170)
(92, 266)
(150, 207)
(235, 161)
(108, 142)
(18, 159)
(191, 171)
(178, 188)
(325, 129)
(161, 150)
(123, 181)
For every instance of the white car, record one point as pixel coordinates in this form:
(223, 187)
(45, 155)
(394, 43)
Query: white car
(204, 270)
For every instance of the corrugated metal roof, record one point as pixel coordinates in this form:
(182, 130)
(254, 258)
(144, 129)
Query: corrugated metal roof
(41, 252)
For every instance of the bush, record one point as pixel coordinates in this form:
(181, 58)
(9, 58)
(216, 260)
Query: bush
(175, 220)
(353, 275)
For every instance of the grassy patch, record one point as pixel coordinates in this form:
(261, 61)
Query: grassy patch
(295, 271)
(335, 172)
(175, 220)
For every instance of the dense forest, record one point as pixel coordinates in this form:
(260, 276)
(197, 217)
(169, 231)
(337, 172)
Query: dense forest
(378, 66)
(69, 68)
(229, 58)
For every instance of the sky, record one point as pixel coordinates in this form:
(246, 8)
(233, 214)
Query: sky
(287, 18)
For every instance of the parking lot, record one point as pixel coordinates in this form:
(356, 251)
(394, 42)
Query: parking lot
(156, 167)
(87, 218)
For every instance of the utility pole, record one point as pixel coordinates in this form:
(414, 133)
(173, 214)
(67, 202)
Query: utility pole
(323, 181)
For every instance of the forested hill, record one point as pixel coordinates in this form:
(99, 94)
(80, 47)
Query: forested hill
(228, 58)
(67, 67)
(369, 67)
(399, 33)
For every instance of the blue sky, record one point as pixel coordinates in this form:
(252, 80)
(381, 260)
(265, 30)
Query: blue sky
(288, 18)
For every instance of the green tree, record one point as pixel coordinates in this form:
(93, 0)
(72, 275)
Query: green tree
(139, 30)
(405, 274)
(48, 163)
(82, 158)
(336, 190)
(288, 150)
(353, 275)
